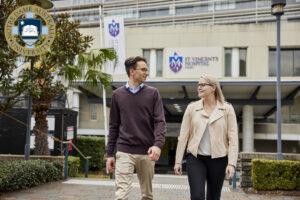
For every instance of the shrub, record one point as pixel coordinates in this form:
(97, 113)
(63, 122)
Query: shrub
(94, 147)
(20, 174)
(275, 174)
(73, 166)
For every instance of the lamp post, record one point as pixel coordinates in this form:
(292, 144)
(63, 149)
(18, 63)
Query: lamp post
(46, 4)
(278, 10)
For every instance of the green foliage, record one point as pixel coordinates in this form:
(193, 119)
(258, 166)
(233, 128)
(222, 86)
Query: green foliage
(20, 174)
(73, 166)
(275, 174)
(93, 62)
(47, 70)
(68, 43)
(298, 183)
(41, 74)
(58, 62)
(94, 147)
(10, 86)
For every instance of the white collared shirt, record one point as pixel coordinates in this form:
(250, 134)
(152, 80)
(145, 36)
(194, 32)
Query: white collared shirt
(135, 89)
(205, 146)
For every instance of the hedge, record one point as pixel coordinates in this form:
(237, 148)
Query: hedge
(73, 166)
(275, 174)
(20, 174)
(92, 146)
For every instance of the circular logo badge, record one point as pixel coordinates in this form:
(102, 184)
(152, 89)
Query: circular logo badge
(30, 30)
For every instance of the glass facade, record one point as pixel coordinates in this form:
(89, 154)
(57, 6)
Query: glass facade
(290, 62)
(228, 62)
(159, 63)
(147, 10)
(146, 54)
(93, 111)
(154, 13)
(86, 16)
(242, 61)
(158, 58)
(127, 13)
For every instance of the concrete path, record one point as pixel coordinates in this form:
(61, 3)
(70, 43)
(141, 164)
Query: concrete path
(166, 187)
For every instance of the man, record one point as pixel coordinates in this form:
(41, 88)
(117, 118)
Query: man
(136, 131)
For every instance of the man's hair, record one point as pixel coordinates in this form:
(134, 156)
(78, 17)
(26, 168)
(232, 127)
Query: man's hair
(130, 63)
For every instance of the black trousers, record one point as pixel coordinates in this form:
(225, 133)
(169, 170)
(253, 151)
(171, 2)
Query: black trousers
(205, 169)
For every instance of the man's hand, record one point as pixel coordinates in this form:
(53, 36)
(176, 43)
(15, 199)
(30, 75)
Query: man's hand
(178, 169)
(110, 165)
(230, 171)
(154, 153)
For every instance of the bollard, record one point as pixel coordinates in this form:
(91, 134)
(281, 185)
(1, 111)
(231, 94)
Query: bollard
(234, 181)
(66, 160)
(86, 167)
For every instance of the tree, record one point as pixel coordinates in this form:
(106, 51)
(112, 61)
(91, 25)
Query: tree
(93, 61)
(11, 85)
(42, 81)
(59, 61)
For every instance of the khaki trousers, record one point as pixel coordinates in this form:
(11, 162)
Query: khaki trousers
(125, 165)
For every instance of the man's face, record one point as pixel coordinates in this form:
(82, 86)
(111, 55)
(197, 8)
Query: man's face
(140, 73)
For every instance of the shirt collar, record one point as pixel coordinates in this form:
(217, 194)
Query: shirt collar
(140, 86)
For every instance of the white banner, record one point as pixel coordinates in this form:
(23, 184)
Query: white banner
(191, 62)
(114, 38)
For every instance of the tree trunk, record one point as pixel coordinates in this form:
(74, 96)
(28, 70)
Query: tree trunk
(40, 130)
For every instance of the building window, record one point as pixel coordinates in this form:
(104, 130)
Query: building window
(290, 62)
(154, 58)
(159, 62)
(93, 111)
(224, 5)
(235, 62)
(154, 13)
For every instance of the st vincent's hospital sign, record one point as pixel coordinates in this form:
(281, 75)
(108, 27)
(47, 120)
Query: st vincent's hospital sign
(191, 62)
(30, 30)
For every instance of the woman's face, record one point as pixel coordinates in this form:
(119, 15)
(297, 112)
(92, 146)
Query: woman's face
(205, 89)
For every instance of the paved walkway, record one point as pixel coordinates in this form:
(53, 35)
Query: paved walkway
(166, 187)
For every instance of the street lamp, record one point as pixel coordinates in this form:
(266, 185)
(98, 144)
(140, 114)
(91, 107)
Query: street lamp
(278, 10)
(46, 4)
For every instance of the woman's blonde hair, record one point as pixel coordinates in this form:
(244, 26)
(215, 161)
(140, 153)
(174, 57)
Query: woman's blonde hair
(214, 82)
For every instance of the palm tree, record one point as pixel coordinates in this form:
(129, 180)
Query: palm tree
(92, 62)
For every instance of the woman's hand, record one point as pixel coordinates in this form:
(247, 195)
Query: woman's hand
(178, 169)
(230, 171)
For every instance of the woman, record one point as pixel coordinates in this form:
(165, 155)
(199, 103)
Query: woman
(209, 130)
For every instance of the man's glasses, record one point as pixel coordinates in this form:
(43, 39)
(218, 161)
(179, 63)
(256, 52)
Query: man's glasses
(142, 69)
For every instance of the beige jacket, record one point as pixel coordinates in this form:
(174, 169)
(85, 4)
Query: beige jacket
(222, 128)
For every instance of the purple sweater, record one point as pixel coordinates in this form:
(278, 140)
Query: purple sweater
(137, 121)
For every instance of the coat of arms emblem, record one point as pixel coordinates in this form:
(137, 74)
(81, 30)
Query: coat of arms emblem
(30, 30)
(175, 62)
(114, 28)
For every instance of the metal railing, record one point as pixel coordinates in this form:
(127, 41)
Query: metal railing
(65, 144)
(66, 154)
